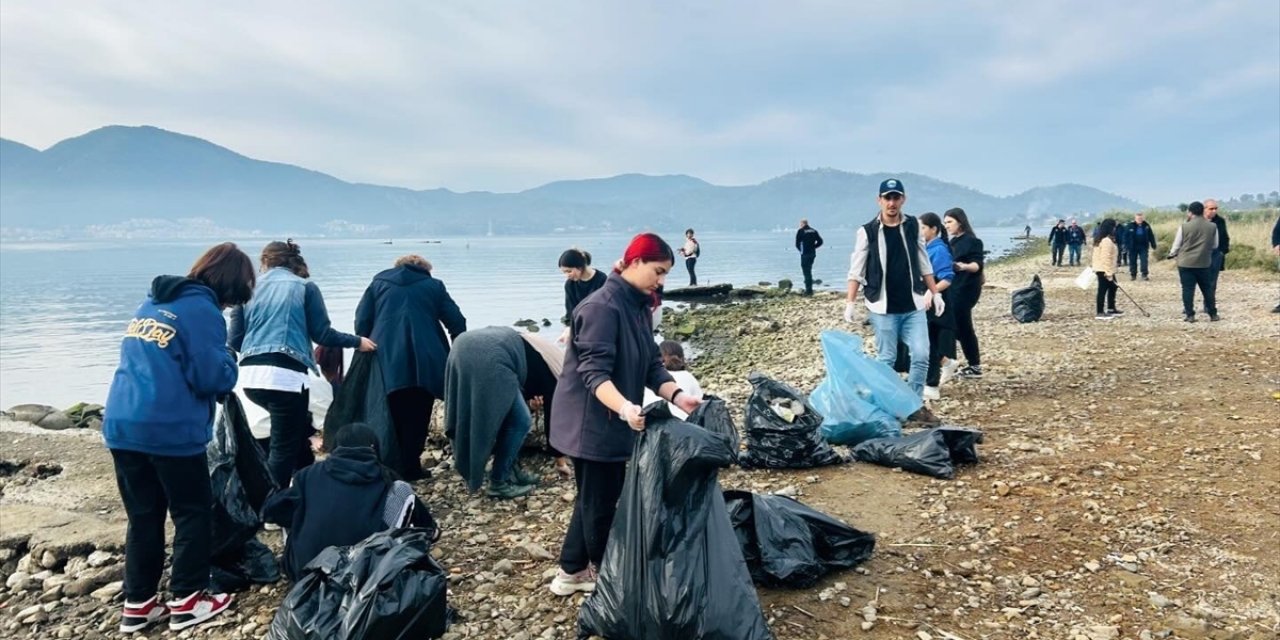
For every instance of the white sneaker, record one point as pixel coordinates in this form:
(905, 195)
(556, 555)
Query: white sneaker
(565, 584)
(949, 370)
(932, 393)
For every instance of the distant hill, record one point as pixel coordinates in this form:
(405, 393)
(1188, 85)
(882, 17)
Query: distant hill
(116, 174)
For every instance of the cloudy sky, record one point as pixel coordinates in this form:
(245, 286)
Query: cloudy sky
(1159, 100)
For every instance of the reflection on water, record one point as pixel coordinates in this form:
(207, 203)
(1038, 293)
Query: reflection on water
(64, 306)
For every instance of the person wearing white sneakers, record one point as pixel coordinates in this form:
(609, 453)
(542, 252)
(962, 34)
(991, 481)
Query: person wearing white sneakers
(174, 364)
(942, 336)
(595, 417)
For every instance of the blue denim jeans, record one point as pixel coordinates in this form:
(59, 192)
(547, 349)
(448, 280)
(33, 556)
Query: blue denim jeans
(511, 437)
(1073, 254)
(912, 329)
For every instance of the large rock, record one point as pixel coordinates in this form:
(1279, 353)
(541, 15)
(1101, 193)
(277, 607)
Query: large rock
(56, 421)
(32, 413)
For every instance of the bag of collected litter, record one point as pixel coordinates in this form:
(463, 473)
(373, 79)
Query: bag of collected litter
(860, 398)
(932, 452)
(363, 398)
(713, 415)
(782, 428)
(387, 586)
(1028, 302)
(788, 544)
(672, 568)
(1086, 279)
(241, 483)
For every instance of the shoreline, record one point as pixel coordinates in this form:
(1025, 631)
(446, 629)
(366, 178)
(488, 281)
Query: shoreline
(1122, 459)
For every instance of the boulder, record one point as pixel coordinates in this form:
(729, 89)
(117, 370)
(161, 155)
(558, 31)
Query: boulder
(56, 421)
(32, 413)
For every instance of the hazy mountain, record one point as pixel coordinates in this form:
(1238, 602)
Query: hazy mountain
(116, 174)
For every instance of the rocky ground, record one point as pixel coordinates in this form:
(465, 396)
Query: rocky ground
(1127, 489)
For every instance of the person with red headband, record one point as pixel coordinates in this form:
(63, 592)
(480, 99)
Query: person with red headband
(611, 359)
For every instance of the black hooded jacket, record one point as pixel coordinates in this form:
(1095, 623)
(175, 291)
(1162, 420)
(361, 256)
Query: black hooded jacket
(338, 501)
(402, 312)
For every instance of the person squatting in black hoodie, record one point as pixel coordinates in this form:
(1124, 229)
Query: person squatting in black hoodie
(342, 500)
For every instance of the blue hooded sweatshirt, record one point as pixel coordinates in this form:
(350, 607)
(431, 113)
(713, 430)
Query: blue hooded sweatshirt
(174, 364)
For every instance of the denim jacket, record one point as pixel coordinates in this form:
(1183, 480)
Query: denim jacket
(285, 315)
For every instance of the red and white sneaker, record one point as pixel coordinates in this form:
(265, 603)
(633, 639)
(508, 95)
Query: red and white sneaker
(138, 616)
(196, 608)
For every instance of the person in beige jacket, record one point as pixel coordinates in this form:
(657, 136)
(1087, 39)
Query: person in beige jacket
(1105, 257)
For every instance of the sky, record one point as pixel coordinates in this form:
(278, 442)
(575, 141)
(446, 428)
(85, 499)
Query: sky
(1162, 101)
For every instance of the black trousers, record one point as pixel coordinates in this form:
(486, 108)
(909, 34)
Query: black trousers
(289, 449)
(690, 263)
(1215, 268)
(599, 487)
(1138, 255)
(151, 486)
(942, 343)
(411, 414)
(1058, 250)
(806, 266)
(1106, 294)
(1192, 278)
(965, 333)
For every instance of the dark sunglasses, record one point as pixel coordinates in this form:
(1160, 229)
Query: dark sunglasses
(892, 196)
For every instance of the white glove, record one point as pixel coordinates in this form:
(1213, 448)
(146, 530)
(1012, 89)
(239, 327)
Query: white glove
(849, 315)
(939, 305)
(631, 414)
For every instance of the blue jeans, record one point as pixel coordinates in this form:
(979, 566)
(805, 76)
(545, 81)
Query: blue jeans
(912, 329)
(511, 437)
(1073, 254)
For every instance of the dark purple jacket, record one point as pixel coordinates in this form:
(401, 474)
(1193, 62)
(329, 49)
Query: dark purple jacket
(612, 340)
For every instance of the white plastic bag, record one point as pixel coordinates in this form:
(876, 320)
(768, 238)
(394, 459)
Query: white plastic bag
(1086, 279)
(260, 421)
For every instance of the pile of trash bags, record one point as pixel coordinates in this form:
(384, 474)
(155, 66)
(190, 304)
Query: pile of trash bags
(788, 544)
(387, 586)
(783, 429)
(241, 483)
(860, 398)
(363, 398)
(673, 569)
(932, 452)
(1028, 302)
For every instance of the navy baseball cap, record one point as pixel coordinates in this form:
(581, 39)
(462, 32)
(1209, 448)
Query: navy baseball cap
(892, 185)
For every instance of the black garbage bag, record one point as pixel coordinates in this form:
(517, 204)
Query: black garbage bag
(1028, 302)
(363, 398)
(788, 544)
(387, 586)
(672, 568)
(713, 415)
(772, 441)
(932, 452)
(241, 483)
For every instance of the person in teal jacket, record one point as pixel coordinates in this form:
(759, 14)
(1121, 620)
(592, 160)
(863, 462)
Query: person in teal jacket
(174, 365)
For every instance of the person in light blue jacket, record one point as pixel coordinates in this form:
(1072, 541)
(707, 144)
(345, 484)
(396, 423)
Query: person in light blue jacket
(174, 364)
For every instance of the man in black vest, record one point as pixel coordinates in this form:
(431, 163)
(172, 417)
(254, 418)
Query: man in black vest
(891, 266)
(807, 242)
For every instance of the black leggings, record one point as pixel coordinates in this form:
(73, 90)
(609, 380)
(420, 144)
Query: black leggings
(1106, 293)
(965, 333)
(599, 487)
(411, 414)
(289, 448)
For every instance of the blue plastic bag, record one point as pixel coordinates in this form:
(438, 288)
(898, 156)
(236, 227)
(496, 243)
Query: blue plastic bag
(860, 398)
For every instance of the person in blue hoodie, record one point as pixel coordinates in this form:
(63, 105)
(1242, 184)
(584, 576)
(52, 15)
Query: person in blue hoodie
(174, 364)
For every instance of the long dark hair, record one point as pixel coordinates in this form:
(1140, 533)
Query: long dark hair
(285, 254)
(961, 218)
(1106, 229)
(228, 271)
(932, 221)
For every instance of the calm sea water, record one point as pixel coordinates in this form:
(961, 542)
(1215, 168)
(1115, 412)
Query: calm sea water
(63, 307)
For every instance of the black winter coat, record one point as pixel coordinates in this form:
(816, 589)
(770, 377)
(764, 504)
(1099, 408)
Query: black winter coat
(402, 311)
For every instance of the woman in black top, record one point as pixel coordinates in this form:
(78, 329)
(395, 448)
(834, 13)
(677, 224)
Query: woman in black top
(966, 289)
(580, 281)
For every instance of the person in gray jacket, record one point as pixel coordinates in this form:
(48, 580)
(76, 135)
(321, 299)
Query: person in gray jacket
(611, 359)
(1194, 245)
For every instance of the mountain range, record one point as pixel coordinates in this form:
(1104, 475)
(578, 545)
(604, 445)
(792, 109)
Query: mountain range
(115, 176)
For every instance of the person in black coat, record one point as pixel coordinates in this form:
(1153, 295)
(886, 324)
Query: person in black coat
(408, 311)
(808, 240)
(1058, 241)
(966, 288)
(342, 500)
